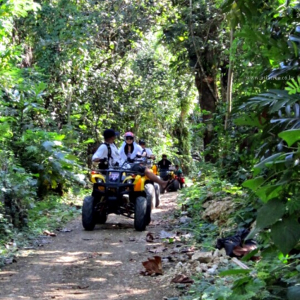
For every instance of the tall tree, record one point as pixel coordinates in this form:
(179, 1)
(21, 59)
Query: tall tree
(193, 33)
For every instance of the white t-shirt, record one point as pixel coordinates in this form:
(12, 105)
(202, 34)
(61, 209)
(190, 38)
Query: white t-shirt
(102, 152)
(136, 151)
(146, 152)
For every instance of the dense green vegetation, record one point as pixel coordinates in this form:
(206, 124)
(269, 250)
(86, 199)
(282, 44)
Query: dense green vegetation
(214, 84)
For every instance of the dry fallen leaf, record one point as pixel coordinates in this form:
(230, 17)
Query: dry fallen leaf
(152, 266)
(46, 232)
(182, 279)
(149, 237)
(158, 249)
(81, 287)
(187, 250)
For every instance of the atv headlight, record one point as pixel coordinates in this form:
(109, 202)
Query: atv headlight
(99, 180)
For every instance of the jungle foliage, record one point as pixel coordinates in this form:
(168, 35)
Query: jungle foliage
(200, 80)
(70, 69)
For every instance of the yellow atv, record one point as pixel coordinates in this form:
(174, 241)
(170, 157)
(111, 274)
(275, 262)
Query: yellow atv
(170, 176)
(120, 191)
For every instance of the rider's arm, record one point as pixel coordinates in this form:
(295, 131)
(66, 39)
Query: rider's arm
(149, 153)
(101, 153)
(138, 150)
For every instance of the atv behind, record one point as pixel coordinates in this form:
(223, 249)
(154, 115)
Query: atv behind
(170, 176)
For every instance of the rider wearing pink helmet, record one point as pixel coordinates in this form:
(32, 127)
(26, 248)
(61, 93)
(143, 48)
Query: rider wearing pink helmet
(130, 150)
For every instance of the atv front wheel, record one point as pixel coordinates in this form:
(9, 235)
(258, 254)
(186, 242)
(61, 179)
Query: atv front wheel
(88, 215)
(140, 213)
(176, 185)
(157, 194)
(150, 196)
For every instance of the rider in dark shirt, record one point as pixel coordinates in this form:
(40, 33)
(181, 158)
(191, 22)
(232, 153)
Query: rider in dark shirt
(164, 164)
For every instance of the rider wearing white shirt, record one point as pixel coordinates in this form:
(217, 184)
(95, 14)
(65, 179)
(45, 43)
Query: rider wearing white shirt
(131, 150)
(146, 151)
(108, 150)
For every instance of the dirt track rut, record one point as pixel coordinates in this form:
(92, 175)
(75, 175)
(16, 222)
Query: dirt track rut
(101, 264)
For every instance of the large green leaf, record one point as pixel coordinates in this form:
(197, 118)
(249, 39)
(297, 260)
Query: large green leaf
(270, 213)
(250, 120)
(286, 234)
(290, 136)
(227, 5)
(89, 141)
(254, 184)
(262, 164)
(269, 192)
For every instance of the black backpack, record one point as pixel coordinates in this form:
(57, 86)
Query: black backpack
(104, 162)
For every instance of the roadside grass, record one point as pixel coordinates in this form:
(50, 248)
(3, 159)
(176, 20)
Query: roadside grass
(44, 217)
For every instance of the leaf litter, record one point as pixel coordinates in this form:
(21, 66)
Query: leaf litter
(149, 237)
(182, 279)
(152, 266)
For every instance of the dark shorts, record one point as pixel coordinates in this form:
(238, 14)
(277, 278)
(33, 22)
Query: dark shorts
(138, 168)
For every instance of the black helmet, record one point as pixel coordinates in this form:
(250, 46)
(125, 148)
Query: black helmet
(142, 142)
(108, 133)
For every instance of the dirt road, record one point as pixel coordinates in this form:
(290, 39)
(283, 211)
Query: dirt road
(101, 264)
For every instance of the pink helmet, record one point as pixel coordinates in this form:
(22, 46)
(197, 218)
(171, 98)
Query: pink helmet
(129, 133)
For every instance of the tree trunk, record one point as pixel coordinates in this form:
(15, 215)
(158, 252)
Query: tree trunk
(205, 78)
(207, 102)
(229, 85)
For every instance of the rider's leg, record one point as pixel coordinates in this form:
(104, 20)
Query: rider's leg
(154, 178)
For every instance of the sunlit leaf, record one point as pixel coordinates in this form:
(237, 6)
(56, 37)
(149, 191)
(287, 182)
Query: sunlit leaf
(254, 184)
(290, 136)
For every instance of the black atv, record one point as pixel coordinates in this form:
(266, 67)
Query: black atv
(120, 191)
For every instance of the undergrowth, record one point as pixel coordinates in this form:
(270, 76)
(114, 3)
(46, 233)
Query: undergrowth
(50, 215)
(273, 276)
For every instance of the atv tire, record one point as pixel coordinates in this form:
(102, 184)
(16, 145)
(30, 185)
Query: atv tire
(176, 185)
(140, 213)
(88, 214)
(157, 194)
(150, 196)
